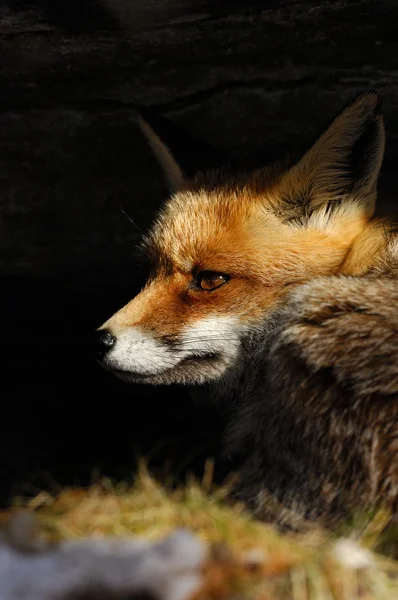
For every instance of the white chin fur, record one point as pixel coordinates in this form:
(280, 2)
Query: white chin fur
(201, 353)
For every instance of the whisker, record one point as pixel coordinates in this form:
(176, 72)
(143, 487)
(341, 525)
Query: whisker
(131, 220)
(198, 338)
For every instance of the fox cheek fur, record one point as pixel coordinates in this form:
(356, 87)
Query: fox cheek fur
(171, 333)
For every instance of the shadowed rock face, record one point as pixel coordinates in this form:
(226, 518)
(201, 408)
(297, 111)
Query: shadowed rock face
(250, 79)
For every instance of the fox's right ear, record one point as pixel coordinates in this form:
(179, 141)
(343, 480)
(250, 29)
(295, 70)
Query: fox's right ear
(172, 171)
(342, 165)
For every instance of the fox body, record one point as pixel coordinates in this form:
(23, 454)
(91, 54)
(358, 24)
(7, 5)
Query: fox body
(277, 291)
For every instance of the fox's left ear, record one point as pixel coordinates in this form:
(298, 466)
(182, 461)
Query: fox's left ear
(343, 164)
(172, 171)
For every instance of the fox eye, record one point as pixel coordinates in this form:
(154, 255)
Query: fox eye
(210, 280)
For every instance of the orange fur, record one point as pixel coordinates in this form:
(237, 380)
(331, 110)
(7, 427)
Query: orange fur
(238, 236)
(268, 230)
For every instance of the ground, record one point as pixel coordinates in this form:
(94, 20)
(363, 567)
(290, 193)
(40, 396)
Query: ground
(245, 558)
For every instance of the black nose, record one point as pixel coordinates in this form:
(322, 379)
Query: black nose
(103, 342)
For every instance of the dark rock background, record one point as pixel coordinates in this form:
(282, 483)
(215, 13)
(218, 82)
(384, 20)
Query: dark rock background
(245, 80)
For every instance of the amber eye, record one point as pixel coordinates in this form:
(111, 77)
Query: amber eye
(210, 280)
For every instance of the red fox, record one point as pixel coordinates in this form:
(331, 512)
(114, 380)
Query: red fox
(277, 291)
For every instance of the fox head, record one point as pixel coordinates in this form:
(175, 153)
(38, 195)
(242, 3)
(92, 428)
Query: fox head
(225, 251)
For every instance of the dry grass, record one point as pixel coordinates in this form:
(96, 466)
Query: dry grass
(248, 559)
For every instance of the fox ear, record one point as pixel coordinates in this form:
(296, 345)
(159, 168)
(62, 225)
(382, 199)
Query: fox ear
(343, 164)
(172, 171)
